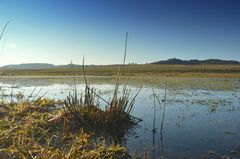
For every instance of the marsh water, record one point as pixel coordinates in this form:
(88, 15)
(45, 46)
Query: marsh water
(202, 116)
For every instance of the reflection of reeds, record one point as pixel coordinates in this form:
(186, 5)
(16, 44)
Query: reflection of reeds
(154, 129)
(162, 121)
(154, 112)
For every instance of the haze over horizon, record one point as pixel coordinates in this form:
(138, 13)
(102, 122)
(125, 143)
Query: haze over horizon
(53, 31)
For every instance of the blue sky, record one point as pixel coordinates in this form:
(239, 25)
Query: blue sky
(58, 31)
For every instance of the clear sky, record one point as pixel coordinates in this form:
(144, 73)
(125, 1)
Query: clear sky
(58, 31)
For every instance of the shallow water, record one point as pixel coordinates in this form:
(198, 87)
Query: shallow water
(197, 122)
(190, 129)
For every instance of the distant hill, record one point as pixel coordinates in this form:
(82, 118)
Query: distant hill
(175, 61)
(35, 66)
(30, 66)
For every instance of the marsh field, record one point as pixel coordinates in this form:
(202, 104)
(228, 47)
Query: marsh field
(135, 70)
(179, 112)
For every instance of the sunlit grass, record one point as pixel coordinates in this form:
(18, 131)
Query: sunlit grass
(214, 71)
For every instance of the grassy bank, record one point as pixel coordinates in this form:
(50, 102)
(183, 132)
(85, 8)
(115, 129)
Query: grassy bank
(214, 71)
(33, 130)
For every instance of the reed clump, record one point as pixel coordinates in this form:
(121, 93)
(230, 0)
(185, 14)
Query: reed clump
(85, 112)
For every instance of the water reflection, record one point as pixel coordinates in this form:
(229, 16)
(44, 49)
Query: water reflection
(154, 130)
(162, 125)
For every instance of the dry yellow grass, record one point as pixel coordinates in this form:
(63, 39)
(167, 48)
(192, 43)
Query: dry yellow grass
(215, 71)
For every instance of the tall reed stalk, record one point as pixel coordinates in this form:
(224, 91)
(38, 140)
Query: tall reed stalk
(4, 28)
